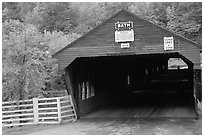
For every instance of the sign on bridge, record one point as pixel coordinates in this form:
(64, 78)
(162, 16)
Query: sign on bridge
(168, 43)
(124, 25)
(124, 32)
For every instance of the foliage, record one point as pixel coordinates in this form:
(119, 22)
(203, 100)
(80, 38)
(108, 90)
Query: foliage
(186, 20)
(25, 61)
(16, 10)
(182, 18)
(58, 40)
(56, 16)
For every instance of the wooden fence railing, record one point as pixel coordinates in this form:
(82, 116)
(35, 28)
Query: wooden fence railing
(38, 111)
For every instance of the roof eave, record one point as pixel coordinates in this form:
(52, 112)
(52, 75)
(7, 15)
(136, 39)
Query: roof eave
(98, 26)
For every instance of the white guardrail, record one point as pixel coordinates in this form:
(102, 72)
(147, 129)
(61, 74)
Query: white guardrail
(38, 111)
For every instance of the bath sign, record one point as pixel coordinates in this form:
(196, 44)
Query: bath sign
(168, 43)
(124, 25)
(124, 31)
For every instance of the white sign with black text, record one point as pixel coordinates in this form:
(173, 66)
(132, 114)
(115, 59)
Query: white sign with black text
(125, 45)
(124, 36)
(124, 31)
(168, 43)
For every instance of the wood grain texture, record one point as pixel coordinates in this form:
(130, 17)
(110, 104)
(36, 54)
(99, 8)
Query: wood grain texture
(70, 87)
(148, 40)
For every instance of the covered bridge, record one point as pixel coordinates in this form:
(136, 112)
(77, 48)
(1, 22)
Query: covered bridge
(120, 68)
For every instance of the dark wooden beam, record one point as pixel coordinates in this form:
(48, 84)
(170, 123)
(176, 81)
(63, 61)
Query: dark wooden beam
(70, 87)
(187, 61)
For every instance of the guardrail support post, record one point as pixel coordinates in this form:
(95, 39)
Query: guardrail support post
(35, 110)
(59, 110)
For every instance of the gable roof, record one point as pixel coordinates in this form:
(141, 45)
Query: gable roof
(136, 16)
(87, 33)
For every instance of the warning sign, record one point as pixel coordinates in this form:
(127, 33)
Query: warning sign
(168, 43)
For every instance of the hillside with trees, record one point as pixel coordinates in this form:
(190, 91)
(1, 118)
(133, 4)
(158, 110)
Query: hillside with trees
(33, 31)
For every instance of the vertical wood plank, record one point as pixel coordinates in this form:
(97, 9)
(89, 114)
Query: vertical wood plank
(35, 110)
(70, 87)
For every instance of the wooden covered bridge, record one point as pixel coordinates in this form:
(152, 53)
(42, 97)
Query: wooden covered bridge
(120, 68)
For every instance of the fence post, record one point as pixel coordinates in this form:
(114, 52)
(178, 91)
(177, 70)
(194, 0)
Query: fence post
(59, 110)
(35, 110)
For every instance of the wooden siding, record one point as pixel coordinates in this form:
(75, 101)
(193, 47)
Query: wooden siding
(148, 40)
(190, 52)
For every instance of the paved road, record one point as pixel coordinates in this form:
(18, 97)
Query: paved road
(126, 126)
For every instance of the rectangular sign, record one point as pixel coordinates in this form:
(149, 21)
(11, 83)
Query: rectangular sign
(124, 25)
(124, 36)
(168, 43)
(125, 45)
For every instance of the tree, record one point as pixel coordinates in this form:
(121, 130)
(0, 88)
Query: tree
(93, 13)
(25, 61)
(182, 18)
(186, 20)
(56, 41)
(140, 8)
(16, 10)
(56, 16)
(90, 15)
